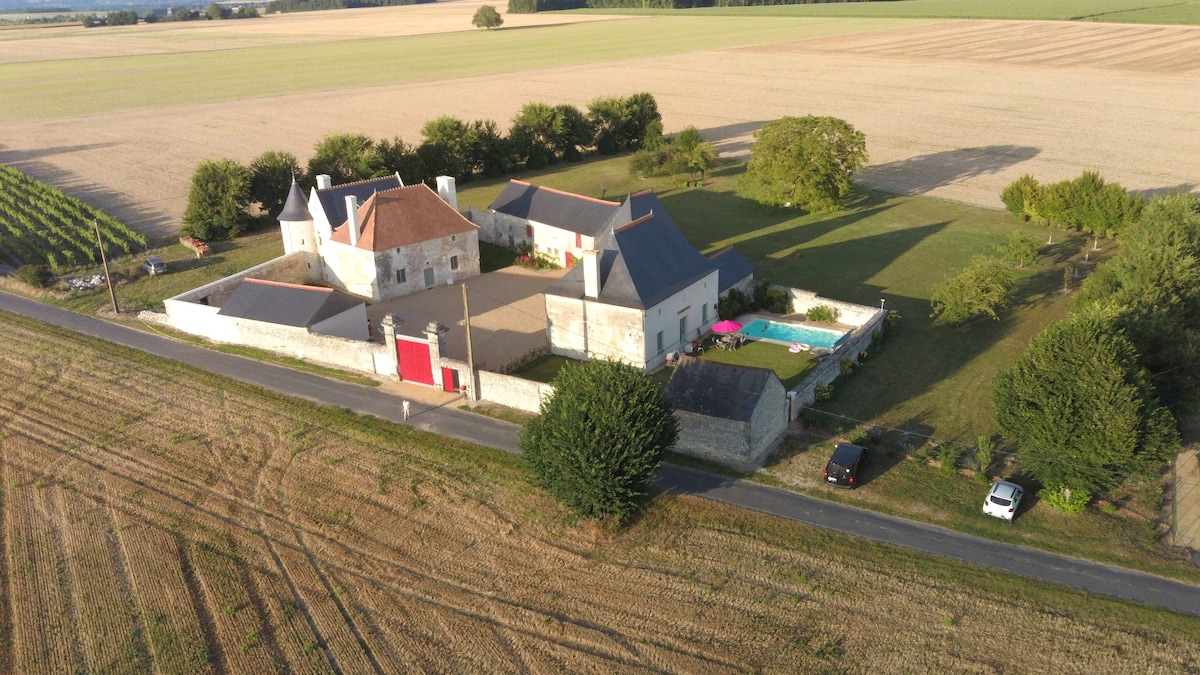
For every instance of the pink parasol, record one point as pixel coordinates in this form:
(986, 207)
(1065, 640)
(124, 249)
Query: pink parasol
(726, 326)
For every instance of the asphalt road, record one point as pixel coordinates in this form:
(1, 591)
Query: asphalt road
(1089, 576)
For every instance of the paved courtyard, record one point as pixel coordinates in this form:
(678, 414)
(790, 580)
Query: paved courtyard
(508, 314)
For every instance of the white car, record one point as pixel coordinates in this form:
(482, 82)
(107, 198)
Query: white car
(1003, 499)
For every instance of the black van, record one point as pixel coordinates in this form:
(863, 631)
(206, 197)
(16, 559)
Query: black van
(845, 465)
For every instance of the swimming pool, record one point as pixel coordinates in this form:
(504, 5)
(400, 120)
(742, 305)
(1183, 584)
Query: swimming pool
(813, 337)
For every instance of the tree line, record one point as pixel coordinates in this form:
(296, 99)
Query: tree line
(1097, 396)
(224, 193)
(531, 6)
(128, 17)
(311, 5)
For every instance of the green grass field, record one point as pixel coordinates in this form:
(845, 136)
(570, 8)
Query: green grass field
(66, 88)
(1118, 11)
(184, 272)
(928, 379)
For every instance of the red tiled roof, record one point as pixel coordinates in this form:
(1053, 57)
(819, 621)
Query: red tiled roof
(404, 216)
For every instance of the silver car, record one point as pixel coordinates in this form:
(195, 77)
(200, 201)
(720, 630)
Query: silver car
(1003, 499)
(154, 266)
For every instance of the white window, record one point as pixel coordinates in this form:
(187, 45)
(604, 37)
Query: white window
(660, 342)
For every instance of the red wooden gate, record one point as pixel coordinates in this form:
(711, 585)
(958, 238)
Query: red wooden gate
(413, 358)
(449, 379)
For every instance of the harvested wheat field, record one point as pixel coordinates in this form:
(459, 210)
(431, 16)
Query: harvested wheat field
(155, 517)
(955, 109)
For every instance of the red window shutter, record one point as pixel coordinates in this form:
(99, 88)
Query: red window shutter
(529, 231)
(578, 240)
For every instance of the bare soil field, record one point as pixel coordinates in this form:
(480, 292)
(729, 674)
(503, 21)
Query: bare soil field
(444, 16)
(156, 518)
(954, 109)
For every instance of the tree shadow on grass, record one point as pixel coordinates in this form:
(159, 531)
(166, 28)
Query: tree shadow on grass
(733, 140)
(924, 173)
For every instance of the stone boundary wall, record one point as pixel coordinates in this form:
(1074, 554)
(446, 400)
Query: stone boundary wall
(506, 390)
(291, 268)
(851, 314)
(830, 367)
(371, 358)
(514, 392)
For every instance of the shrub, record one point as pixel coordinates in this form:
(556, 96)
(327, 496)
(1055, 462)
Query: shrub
(823, 392)
(983, 452)
(1065, 499)
(823, 313)
(734, 304)
(1021, 250)
(949, 456)
(599, 438)
(37, 276)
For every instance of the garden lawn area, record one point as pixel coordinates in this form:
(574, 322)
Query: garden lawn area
(543, 369)
(791, 368)
(492, 257)
(1119, 11)
(926, 379)
(184, 272)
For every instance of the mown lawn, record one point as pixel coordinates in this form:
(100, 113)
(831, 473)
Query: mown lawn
(1118, 11)
(135, 290)
(926, 379)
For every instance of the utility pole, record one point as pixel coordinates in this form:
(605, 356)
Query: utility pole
(471, 392)
(104, 260)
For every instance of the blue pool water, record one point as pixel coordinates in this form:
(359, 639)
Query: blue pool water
(814, 337)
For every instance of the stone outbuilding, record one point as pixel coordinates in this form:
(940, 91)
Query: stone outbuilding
(642, 293)
(379, 239)
(557, 225)
(728, 414)
(323, 311)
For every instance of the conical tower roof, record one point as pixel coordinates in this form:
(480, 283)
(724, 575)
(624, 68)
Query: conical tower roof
(295, 209)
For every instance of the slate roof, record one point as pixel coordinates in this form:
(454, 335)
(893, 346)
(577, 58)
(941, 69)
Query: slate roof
(295, 209)
(566, 211)
(720, 390)
(644, 258)
(333, 199)
(286, 304)
(732, 267)
(403, 216)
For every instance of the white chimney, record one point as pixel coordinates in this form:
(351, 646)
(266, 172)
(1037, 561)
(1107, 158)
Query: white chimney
(352, 218)
(591, 274)
(324, 182)
(447, 191)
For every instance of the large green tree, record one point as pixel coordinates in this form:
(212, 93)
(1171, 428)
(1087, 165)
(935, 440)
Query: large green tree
(1080, 409)
(217, 200)
(271, 175)
(979, 290)
(533, 134)
(402, 158)
(1152, 287)
(600, 437)
(490, 152)
(446, 147)
(346, 158)
(803, 162)
(487, 17)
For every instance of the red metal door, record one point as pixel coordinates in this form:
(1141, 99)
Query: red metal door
(413, 357)
(449, 379)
